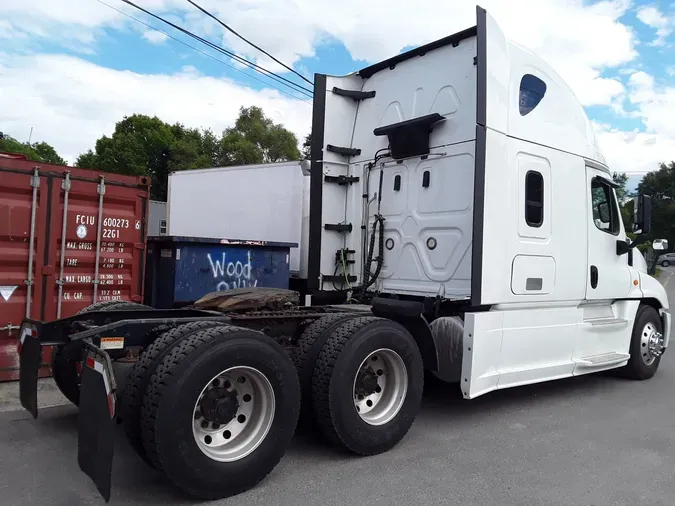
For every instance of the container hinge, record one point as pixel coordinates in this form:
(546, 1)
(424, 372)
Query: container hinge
(339, 277)
(100, 188)
(353, 94)
(65, 184)
(341, 180)
(338, 227)
(343, 151)
(35, 178)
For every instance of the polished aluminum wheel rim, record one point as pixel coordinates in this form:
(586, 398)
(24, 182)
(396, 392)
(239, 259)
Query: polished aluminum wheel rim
(380, 387)
(251, 415)
(651, 344)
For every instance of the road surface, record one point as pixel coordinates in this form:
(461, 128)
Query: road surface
(594, 440)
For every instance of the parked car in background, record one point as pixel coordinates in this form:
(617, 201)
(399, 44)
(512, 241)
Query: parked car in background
(666, 259)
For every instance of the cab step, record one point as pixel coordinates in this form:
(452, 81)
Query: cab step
(603, 359)
(605, 320)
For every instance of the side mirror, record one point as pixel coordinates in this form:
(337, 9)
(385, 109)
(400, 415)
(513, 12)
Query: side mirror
(660, 245)
(643, 214)
(603, 212)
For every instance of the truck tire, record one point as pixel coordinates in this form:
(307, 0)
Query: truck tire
(305, 353)
(65, 370)
(141, 372)
(220, 411)
(646, 345)
(367, 385)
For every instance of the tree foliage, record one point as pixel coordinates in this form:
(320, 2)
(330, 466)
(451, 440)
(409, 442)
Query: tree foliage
(307, 147)
(39, 152)
(144, 145)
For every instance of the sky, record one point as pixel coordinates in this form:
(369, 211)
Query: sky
(70, 69)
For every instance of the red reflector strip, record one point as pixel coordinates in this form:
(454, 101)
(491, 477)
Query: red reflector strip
(99, 368)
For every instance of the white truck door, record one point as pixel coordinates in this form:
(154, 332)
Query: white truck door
(608, 276)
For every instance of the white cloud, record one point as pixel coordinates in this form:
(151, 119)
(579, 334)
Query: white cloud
(373, 30)
(71, 102)
(654, 18)
(75, 102)
(634, 152)
(154, 37)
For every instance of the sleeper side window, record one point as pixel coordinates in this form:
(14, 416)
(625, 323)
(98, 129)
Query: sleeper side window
(605, 209)
(534, 199)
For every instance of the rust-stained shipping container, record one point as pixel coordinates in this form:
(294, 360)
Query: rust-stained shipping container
(96, 254)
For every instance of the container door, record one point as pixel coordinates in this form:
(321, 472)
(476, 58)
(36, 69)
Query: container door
(21, 210)
(84, 251)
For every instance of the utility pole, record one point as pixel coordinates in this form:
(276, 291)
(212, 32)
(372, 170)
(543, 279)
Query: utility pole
(30, 135)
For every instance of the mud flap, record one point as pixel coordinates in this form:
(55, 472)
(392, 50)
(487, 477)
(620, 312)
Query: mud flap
(97, 426)
(30, 359)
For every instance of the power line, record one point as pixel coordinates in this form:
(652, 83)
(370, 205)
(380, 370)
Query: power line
(249, 42)
(240, 59)
(234, 56)
(201, 52)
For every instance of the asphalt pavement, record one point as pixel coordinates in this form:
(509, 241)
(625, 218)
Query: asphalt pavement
(594, 440)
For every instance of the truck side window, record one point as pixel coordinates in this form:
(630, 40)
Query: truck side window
(534, 199)
(605, 212)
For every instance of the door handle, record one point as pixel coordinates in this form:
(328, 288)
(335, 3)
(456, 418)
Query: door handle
(594, 276)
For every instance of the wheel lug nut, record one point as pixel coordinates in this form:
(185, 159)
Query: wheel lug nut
(198, 415)
(216, 382)
(216, 426)
(205, 424)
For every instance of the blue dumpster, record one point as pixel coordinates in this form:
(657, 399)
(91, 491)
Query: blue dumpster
(180, 270)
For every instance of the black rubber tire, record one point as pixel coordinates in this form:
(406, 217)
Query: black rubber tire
(99, 306)
(332, 391)
(305, 353)
(64, 368)
(169, 402)
(665, 263)
(139, 377)
(635, 368)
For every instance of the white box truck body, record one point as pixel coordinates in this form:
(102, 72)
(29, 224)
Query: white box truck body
(257, 202)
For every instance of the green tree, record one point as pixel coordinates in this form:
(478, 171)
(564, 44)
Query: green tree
(48, 153)
(257, 139)
(307, 147)
(144, 145)
(621, 179)
(39, 152)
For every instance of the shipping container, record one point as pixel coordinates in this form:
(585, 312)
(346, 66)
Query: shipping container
(96, 253)
(261, 202)
(180, 270)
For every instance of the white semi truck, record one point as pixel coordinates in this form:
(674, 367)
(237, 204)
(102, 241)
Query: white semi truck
(462, 221)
